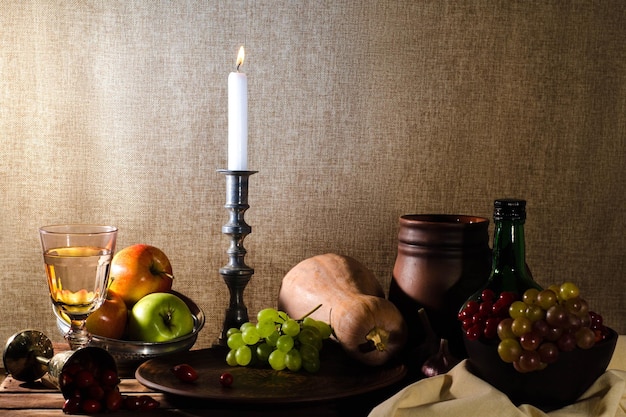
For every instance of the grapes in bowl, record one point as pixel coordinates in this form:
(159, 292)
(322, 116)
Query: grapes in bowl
(544, 348)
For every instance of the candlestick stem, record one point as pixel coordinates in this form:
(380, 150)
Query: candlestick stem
(236, 273)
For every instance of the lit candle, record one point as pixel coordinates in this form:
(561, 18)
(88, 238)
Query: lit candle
(238, 118)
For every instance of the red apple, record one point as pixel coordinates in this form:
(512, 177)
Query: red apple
(139, 270)
(110, 319)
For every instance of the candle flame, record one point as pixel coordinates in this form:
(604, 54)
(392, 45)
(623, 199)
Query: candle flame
(240, 57)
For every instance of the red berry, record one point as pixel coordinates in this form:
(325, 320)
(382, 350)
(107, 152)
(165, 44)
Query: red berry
(148, 403)
(95, 392)
(474, 332)
(491, 327)
(467, 323)
(72, 406)
(226, 379)
(485, 308)
(185, 372)
(487, 295)
(113, 400)
(132, 402)
(507, 297)
(471, 307)
(84, 379)
(109, 378)
(91, 406)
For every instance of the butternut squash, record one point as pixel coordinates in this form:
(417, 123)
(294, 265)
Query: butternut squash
(368, 327)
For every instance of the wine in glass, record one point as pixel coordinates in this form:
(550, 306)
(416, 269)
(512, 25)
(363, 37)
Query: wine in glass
(77, 258)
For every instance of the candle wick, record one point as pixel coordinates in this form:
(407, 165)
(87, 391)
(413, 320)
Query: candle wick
(238, 65)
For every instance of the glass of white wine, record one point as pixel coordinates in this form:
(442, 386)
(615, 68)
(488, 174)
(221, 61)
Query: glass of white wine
(77, 258)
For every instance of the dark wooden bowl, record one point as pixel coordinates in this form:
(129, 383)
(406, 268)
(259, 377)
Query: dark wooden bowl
(556, 386)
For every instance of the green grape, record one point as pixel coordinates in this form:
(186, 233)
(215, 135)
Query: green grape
(250, 335)
(293, 360)
(530, 296)
(232, 331)
(504, 329)
(568, 290)
(278, 340)
(263, 351)
(308, 352)
(267, 314)
(291, 328)
(282, 317)
(322, 327)
(534, 313)
(235, 341)
(509, 350)
(230, 357)
(246, 325)
(265, 328)
(517, 309)
(521, 325)
(272, 338)
(546, 299)
(311, 366)
(284, 343)
(309, 321)
(311, 336)
(277, 360)
(243, 355)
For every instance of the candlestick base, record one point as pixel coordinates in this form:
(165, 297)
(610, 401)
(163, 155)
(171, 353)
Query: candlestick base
(236, 273)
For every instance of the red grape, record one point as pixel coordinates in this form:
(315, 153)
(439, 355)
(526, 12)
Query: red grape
(585, 338)
(548, 352)
(185, 372)
(530, 340)
(90, 406)
(529, 360)
(567, 342)
(226, 379)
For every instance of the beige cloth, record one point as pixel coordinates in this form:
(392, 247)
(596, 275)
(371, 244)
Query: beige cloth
(460, 393)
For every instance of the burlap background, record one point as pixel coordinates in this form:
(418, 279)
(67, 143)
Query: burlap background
(360, 111)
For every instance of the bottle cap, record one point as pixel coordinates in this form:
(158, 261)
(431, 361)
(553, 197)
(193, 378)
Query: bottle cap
(509, 209)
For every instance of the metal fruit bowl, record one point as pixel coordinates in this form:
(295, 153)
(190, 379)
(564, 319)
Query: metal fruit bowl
(130, 353)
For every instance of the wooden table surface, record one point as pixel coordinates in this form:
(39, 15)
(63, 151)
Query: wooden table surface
(34, 399)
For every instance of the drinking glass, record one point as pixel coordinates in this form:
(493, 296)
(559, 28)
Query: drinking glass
(77, 258)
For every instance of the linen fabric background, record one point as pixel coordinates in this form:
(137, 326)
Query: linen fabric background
(359, 112)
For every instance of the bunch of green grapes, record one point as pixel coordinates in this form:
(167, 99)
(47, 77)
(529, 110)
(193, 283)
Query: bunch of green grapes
(279, 341)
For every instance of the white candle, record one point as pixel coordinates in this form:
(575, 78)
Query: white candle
(238, 118)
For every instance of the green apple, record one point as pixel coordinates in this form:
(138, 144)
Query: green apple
(159, 317)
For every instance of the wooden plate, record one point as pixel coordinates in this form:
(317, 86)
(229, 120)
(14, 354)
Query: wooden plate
(339, 377)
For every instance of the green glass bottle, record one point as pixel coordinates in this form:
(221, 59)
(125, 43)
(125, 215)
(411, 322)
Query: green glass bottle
(509, 271)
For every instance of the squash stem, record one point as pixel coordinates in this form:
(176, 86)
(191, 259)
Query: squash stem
(379, 337)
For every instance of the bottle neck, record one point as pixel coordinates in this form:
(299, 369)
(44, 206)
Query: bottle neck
(509, 249)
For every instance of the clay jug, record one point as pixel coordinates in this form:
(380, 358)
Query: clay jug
(442, 259)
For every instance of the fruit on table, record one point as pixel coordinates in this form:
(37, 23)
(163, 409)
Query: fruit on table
(533, 329)
(185, 372)
(159, 317)
(139, 270)
(110, 319)
(89, 388)
(226, 379)
(367, 326)
(279, 341)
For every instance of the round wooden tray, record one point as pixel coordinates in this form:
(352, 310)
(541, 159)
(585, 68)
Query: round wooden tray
(339, 377)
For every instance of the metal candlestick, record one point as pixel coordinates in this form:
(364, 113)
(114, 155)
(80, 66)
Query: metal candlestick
(236, 273)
